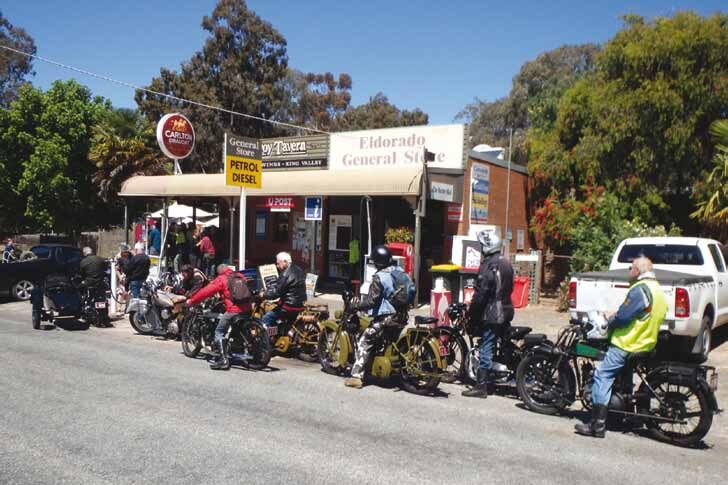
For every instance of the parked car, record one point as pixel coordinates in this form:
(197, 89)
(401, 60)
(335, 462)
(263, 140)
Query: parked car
(693, 273)
(18, 279)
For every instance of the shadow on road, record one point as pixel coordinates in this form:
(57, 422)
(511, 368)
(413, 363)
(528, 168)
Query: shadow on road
(720, 336)
(72, 325)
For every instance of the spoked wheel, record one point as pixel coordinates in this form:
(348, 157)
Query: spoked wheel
(191, 336)
(329, 352)
(257, 343)
(420, 371)
(544, 385)
(308, 343)
(685, 403)
(456, 359)
(140, 325)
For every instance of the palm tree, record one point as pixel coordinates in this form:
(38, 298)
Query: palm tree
(712, 194)
(121, 149)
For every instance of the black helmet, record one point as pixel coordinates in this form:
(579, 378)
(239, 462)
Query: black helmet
(381, 257)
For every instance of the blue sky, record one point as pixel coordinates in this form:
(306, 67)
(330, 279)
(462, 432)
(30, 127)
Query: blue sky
(437, 56)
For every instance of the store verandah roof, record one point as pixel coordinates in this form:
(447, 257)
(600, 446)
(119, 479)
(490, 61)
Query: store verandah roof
(372, 181)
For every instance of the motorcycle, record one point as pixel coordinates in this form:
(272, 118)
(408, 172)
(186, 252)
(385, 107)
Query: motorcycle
(295, 332)
(673, 400)
(412, 354)
(462, 339)
(65, 298)
(157, 308)
(247, 338)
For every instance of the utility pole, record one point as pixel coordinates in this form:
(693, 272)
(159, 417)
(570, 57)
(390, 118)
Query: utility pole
(508, 190)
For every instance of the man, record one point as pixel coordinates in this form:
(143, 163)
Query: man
(379, 305)
(193, 280)
(92, 268)
(137, 270)
(491, 308)
(220, 286)
(634, 328)
(155, 240)
(289, 290)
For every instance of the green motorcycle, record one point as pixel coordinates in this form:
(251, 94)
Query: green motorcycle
(412, 354)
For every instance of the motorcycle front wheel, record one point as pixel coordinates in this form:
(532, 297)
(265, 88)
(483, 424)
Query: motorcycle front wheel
(420, 373)
(257, 343)
(141, 326)
(543, 385)
(329, 348)
(686, 403)
(191, 336)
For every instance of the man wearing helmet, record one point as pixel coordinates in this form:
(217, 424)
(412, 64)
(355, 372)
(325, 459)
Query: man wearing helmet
(378, 303)
(491, 307)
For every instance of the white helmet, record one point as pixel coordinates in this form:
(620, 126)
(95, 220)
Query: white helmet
(490, 242)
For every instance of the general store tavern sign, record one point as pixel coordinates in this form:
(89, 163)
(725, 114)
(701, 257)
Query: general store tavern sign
(296, 152)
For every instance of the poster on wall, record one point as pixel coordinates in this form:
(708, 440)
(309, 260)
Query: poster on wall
(454, 212)
(471, 254)
(480, 182)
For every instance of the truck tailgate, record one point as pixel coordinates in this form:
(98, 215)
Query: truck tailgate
(603, 296)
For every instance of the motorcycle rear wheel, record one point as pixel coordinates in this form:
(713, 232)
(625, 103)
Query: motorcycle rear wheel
(543, 388)
(191, 337)
(457, 356)
(307, 350)
(141, 327)
(256, 343)
(420, 376)
(687, 402)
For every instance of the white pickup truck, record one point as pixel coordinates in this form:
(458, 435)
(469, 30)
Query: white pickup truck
(692, 272)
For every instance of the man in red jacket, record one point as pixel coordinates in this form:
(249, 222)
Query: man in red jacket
(220, 286)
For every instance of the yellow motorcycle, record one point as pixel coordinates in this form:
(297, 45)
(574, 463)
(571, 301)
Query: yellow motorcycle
(412, 354)
(299, 335)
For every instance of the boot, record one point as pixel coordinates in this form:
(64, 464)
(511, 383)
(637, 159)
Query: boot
(354, 382)
(597, 426)
(480, 389)
(222, 362)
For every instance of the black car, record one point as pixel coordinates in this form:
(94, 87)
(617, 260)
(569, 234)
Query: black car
(18, 279)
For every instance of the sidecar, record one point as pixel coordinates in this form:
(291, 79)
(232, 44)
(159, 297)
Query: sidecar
(57, 298)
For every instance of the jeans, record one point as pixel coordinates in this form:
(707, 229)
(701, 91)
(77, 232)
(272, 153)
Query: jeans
(269, 319)
(606, 373)
(134, 287)
(36, 299)
(223, 324)
(487, 344)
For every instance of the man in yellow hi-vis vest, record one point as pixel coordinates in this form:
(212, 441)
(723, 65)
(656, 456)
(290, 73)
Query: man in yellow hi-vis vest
(634, 328)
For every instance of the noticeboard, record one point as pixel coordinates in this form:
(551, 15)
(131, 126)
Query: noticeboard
(268, 275)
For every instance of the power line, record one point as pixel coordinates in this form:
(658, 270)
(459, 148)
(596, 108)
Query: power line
(150, 91)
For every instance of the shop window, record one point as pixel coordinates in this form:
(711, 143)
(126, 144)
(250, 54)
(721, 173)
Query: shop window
(280, 227)
(261, 225)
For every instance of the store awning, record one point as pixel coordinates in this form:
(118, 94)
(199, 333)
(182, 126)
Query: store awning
(374, 182)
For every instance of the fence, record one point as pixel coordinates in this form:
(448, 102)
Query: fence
(530, 265)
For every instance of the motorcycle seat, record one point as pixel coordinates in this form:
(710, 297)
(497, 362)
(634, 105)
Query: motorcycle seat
(534, 338)
(419, 320)
(636, 357)
(517, 333)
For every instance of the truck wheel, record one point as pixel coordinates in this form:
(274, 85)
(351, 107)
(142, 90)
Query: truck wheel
(21, 290)
(697, 349)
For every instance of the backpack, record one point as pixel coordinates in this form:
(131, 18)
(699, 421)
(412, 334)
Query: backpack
(238, 288)
(404, 290)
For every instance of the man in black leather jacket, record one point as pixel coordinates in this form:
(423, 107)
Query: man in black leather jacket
(137, 270)
(92, 268)
(289, 290)
(491, 308)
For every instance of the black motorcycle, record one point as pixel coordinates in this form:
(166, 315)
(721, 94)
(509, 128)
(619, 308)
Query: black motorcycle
(247, 338)
(673, 400)
(64, 298)
(462, 340)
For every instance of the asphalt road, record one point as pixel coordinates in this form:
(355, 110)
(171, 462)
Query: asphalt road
(107, 406)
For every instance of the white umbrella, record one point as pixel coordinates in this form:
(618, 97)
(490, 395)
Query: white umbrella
(177, 211)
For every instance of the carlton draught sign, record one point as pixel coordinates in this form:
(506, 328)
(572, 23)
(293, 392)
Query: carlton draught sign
(175, 136)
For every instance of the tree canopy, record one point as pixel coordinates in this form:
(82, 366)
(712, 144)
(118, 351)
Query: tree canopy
(638, 124)
(378, 112)
(13, 67)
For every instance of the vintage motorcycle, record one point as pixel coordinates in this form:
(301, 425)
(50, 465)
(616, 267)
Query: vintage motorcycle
(248, 340)
(462, 339)
(157, 307)
(412, 354)
(66, 298)
(296, 333)
(673, 400)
